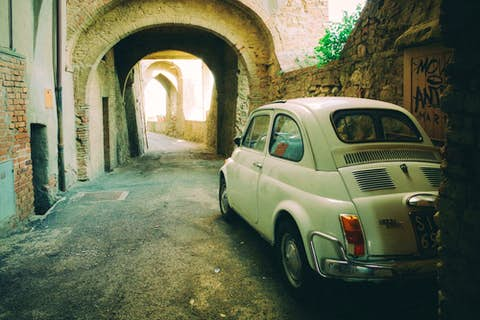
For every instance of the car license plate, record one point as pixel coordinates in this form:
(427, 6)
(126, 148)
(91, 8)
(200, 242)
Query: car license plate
(425, 232)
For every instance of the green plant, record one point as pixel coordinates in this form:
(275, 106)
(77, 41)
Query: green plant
(331, 44)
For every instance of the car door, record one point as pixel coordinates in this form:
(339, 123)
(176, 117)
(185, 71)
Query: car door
(284, 173)
(248, 162)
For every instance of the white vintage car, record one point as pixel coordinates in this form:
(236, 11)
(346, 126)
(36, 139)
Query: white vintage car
(344, 187)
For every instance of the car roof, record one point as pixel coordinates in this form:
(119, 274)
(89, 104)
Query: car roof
(320, 124)
(322, 106)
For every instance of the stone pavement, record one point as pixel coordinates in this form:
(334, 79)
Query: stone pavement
(147, 242)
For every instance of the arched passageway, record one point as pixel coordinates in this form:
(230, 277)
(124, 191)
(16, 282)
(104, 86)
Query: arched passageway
(168, 75)
(178, 97)
(228, 37)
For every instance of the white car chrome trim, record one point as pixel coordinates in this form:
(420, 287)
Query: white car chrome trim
(422, 200)
(351, 270)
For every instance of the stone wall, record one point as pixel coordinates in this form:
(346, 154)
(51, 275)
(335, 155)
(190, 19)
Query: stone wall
(300, 24)
(459, 206)
(14, 137)
(243, 106)
(195, 131)
(371, 65)
(119, 152)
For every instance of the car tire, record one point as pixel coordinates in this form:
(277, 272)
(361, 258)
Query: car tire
(292, 259)
(225, 209)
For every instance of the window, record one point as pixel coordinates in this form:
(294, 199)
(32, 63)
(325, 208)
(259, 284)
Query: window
(397, 130)
(354, 128)
(256, 135)
(372, 125)
(286, 140)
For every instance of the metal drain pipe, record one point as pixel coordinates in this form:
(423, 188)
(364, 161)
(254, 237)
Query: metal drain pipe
(58, 95)
(10, 24)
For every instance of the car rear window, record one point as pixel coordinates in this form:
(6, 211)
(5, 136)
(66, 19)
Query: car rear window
(373, 125)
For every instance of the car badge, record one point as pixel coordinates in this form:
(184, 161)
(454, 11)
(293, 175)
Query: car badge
(390, 223)
(404, 168)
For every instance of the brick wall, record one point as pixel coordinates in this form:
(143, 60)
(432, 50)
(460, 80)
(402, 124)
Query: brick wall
(14, 137)
(459, 193)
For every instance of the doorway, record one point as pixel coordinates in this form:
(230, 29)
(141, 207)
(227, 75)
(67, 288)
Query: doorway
(39, 149)
(106, 135)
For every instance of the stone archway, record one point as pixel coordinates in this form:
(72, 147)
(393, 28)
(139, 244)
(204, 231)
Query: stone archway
(168, 124)
(238, 26)
(174, 119)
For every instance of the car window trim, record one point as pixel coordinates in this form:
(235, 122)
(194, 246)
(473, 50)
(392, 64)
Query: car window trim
(274, 118)
(376, 115)
(264, 112)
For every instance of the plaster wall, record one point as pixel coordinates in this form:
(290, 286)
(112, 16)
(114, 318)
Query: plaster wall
(40, 80)
(104, 84)
(138, 90)
(69, 134)
(95, 160)
(33, 28)
(4, 25)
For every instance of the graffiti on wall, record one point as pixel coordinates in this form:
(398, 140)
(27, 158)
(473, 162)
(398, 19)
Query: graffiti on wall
(425, 83)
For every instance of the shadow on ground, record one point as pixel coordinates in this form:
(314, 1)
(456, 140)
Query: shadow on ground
(147, 242)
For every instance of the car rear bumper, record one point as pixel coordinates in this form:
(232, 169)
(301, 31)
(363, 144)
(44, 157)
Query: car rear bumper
(347, 269)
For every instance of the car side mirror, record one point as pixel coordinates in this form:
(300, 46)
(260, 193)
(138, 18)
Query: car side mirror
(237, 141)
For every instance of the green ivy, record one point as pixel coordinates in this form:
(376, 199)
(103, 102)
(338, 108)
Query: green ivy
(331, 44)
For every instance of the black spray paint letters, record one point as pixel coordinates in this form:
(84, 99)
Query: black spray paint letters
(428, 94)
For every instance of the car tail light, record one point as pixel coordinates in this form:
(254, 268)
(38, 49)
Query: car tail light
(352, 230)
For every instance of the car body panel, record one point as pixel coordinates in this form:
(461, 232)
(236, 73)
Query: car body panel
(388, 204)
(327, 181)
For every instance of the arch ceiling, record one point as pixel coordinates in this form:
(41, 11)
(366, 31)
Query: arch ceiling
(228, 22)
(81, 15)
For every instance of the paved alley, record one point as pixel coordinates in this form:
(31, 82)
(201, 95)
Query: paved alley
(147, 242)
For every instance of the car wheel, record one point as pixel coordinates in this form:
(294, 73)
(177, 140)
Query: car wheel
(225, 209)
(292, 259)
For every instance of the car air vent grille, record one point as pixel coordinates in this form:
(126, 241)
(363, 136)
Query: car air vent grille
(373, 179)
(433, 176)
(388, 155)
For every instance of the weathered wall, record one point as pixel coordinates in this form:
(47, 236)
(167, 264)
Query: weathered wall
(33, 34)
(284, 20)
(459, 205)
(300, 25)
(117, 121)
(372, 63)
(41, 82)
(4, 24)
(195, 131)
(139, 112)
(243, 106)
(14, 137)
(104, 85)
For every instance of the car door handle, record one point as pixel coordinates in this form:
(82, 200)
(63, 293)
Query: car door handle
(258, 164)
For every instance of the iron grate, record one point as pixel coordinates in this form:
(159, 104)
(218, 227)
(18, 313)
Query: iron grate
(103, 195)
